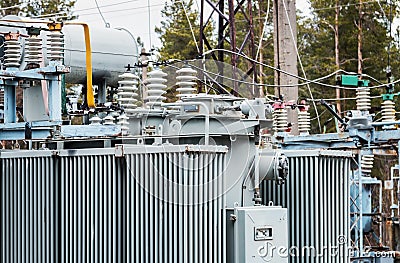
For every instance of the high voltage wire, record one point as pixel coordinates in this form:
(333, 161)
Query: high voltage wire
(149, 22)
(9, 7)
(91, 8)
(119, 10)
(307, 81)
(190, 25)
(109, 11)
(143, 7)
(341, 6)
(298, 77)
(112, 16)
(130, 1)
(124, 15)
(101, 14)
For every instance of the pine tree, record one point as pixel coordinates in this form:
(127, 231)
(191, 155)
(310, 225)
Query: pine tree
(317, 36)
(32, 8)
(175, 31)
(62, 8)
(10, 7)
(317, 44)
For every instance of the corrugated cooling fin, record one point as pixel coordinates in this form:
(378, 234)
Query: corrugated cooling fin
(176, 207)
(149, 204)
(91, 228)
(316, 194)
(28, 209)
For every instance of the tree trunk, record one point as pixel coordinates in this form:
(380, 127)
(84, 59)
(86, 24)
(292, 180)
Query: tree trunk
(359, 49)
(337, 61)
(261, 68)
(231, 9)
(256, 92)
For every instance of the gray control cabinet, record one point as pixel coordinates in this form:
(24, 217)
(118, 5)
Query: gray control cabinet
(260, 234)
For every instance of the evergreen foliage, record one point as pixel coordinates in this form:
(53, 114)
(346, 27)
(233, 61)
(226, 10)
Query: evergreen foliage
(317, 46)
(175, 32)
(34, 8)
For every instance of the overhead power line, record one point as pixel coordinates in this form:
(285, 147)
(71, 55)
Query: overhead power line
(9, 7)
(94, 8)
(104, 20)
(190, 25)
(341, 6)
(298, 77)
(149, 21)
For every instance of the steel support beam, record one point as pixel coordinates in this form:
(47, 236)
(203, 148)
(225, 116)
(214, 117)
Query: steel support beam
(226, 12)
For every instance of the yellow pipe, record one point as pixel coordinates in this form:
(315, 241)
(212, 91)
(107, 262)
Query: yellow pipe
(89, 84)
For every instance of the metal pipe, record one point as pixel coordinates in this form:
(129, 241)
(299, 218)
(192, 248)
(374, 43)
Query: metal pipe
(201, 37)
(10, 102)
(386, 123)
(329, 108)
(398, 182)
(257, 171)
(392, 190)
(360, 197)
(26, 21)
(380, 212)
(221, 14)
(207, 116)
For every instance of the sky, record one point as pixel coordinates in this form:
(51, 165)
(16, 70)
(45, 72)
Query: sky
(139, 16)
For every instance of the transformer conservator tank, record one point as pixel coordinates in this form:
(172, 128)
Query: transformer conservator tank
(112, 49)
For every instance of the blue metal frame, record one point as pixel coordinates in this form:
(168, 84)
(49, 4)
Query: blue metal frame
(13, 130)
